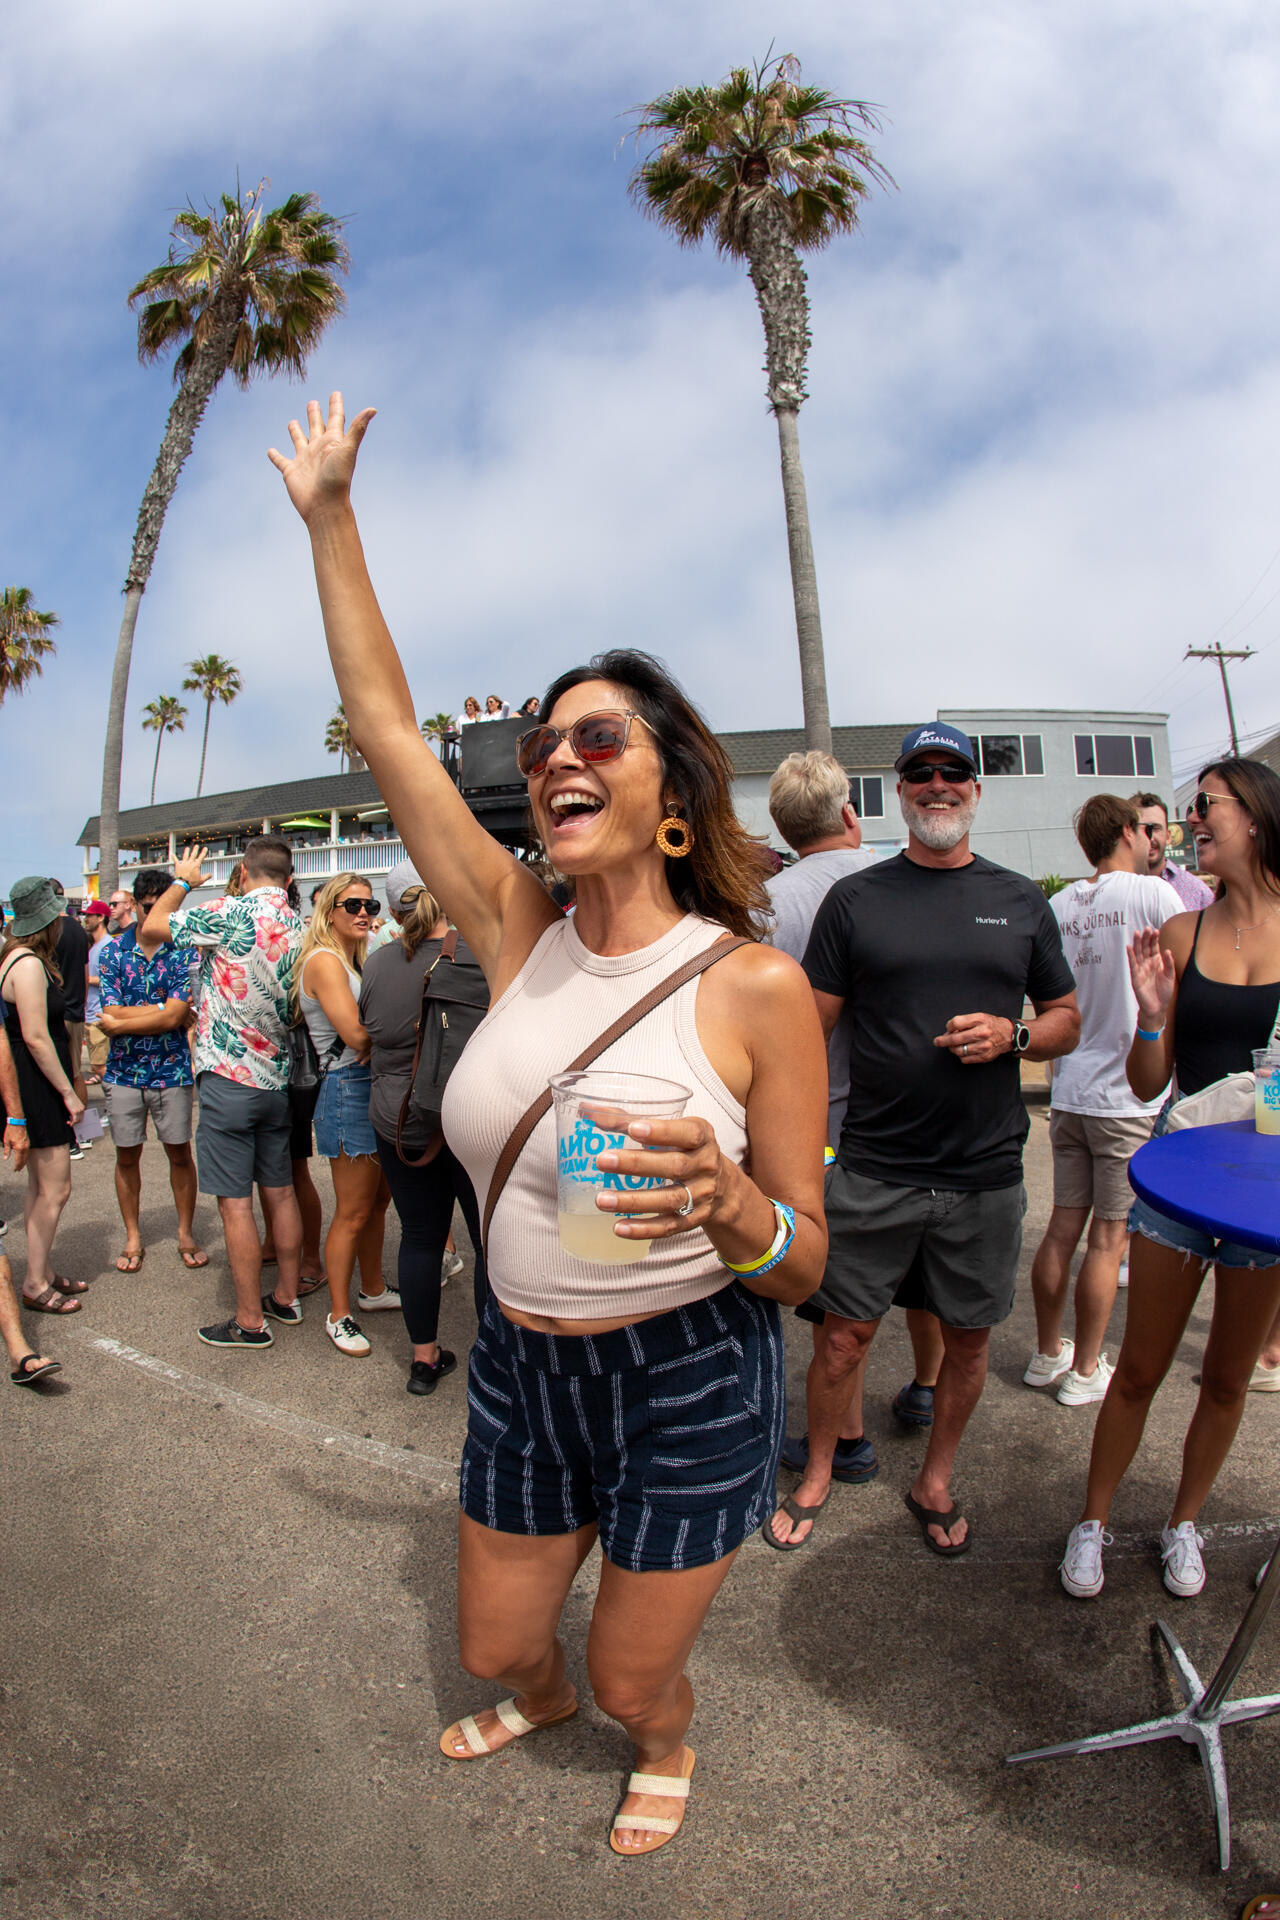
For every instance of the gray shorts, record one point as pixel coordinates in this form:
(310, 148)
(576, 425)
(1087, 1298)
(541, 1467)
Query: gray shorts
(964, 1247)
(169, 1107)
(242, 1137)
(1091, 1155)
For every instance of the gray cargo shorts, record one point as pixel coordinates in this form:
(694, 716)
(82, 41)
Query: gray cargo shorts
(169, 1107)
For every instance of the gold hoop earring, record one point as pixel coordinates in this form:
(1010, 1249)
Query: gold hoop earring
(674, 825)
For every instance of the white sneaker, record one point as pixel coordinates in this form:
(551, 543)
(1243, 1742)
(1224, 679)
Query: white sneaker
(1045, 1368)
(1083, 1389)
(452, 1263)
(1264, 1379)
(1081, 1567)
(388, 1301)
(1183, 1567)
(1123, 1277)
(346, 1335)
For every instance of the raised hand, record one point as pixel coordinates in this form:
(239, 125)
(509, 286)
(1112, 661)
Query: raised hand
(324, 457)
(1153, 975)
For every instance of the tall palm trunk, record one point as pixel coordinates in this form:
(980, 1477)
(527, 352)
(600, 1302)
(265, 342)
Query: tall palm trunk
(193, 396)
(204, 744)
(779, 280)
(155, 766)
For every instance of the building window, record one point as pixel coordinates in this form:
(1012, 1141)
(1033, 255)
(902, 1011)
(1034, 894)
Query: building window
(1116, 756)
(1010, 753)
(866, 796)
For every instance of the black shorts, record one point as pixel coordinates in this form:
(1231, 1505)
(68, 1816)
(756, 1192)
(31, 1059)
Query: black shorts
(665, 1435)
(959, 1249)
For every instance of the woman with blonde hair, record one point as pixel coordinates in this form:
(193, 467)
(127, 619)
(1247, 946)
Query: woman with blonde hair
(327, 989)
(424, 1194)
(31, 994)
(633, 1395)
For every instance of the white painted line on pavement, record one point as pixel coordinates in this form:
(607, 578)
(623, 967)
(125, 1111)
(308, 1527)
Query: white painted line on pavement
(442, 1475)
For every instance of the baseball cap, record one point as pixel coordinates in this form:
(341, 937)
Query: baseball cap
(938, 735)
(96, 910)
(402, 878)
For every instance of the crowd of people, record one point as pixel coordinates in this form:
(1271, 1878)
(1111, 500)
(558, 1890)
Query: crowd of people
(851, 1032)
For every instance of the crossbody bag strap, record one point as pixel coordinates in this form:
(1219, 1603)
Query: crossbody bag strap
(519, 1135)
(448, 951)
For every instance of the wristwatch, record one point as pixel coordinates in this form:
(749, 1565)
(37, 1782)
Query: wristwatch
(1021, 1036)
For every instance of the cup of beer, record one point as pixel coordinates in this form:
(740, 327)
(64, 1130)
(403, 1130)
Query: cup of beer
(1266, 1089)
(593, 1111)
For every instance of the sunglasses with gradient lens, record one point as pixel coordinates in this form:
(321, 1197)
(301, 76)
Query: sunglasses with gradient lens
(357, 907)
(922, 773)
(1198, 808)
(594, 738)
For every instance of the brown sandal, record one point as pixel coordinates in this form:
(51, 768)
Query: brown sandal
(51, 1301)
(64, 1285)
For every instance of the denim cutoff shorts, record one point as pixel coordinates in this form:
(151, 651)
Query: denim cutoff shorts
(1193, 1242)
(665, 1434)
(342, 1114)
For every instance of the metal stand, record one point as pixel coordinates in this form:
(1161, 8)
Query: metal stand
(1207, 1710)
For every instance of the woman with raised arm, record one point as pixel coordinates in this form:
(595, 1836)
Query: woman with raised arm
(638, 1402)
(1208, 992)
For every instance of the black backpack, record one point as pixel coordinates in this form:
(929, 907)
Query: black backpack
(455, 999)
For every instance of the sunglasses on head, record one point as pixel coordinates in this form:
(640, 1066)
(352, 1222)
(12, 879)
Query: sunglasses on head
(922, 773)
(596, 737)
(1198, 808)
(356, 907)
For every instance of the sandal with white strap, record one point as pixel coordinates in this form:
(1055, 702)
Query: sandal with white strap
(512, 1719)
(664, 1786)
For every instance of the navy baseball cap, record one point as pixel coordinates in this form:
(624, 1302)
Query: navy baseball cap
(938, 735)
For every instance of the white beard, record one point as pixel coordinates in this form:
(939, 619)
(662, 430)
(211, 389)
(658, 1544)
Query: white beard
(938, 831)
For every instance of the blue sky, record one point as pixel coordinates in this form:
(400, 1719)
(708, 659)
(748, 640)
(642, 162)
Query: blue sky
(1040, 447)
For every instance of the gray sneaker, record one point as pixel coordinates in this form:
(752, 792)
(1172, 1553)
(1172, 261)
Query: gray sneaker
(229, 1333)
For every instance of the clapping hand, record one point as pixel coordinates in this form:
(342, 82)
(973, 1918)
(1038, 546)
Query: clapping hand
(1153, 975)
(324, 457)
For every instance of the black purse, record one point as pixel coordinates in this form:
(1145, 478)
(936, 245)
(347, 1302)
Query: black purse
(455, 999)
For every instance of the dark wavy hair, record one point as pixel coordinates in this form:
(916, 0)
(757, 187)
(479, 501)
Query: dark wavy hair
(723, 878)
(1258, 791)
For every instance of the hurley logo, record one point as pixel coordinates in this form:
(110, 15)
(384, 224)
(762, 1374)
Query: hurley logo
(981, 920)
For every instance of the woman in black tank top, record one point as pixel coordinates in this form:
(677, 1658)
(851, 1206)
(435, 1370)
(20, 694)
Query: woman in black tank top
(1208, 992)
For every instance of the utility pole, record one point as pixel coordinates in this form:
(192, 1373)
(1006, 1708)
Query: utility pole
(1217, 652)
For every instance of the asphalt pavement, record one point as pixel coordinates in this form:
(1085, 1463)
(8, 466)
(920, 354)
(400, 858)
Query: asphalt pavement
(229, 1647)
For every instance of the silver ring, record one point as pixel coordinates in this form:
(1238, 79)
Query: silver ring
(965, 1047)
(687, 1208)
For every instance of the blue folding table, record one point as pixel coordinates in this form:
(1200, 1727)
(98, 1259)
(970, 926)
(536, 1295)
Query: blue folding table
(1225, 1180)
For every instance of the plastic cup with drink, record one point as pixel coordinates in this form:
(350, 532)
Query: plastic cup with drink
(593, 1111)
(1266, 1089)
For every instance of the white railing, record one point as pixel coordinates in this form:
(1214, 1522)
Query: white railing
(309, 863)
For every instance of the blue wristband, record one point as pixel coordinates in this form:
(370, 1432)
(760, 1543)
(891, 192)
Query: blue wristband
(14, 1120)
(1144, 1035)
(184, 884)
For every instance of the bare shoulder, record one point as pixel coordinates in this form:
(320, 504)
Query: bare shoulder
(757, 978)
(323, 964)
(1178, 932)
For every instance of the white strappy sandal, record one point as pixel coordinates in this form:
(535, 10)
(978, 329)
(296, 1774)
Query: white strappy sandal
(664, 1786)
(512, 1719)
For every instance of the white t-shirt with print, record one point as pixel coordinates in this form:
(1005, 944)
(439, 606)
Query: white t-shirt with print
(1098, 920)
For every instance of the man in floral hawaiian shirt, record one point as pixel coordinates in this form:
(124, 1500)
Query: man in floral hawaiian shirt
(247, 948)
(144, 1008)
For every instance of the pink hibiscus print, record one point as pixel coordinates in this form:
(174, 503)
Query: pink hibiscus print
(273, 936)
(258, 1042)
(230, 979)
(240, 1074)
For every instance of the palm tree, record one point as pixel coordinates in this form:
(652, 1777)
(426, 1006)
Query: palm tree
(435, 727)
(165, 715)
(337, 737)
(244, 290)
(214, 679)
(24, 639)
(769, 168)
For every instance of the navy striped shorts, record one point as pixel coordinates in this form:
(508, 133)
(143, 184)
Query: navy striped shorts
(664, 1434)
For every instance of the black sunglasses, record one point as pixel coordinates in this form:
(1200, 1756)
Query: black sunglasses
(952, 772)
(596, 737)
(1198, 809)
(1150, 827)
(355, 907)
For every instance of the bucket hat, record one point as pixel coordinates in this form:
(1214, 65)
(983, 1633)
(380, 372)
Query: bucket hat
(34, 905)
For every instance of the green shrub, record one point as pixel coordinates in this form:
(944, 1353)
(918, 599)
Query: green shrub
(1050, 883)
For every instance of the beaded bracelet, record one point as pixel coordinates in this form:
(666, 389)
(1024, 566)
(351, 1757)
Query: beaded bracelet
(786, 1218)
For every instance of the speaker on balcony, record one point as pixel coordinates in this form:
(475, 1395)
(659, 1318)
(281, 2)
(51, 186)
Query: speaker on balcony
(487, 753)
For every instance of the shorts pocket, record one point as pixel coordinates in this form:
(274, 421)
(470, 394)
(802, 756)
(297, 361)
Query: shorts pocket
(706, 1441)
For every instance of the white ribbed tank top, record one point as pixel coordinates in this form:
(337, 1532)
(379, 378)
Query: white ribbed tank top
(563, 998)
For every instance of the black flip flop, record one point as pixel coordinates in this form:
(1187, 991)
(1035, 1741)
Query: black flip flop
(25, 1375)
(794, 1511)
(928, 1517)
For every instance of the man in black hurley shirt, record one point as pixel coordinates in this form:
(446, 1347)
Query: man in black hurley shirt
(930, 1158)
